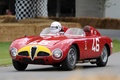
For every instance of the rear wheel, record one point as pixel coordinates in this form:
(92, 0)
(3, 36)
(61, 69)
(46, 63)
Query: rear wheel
(19, 65)
(102, 60)
(70, 61)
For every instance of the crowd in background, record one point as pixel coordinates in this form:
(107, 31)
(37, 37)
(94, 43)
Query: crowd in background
(7, 7)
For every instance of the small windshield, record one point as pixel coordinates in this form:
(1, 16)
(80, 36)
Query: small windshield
(69, 32)
(75, 32)
(46, 32)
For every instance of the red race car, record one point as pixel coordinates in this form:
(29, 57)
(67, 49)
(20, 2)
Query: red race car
(64, 50)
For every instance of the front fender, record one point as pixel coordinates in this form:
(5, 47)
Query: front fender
(64, 46)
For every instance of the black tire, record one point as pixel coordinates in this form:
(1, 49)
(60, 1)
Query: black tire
(70, 61)
(19, 65)
(103, 59)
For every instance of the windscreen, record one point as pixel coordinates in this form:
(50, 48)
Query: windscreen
(75, 32)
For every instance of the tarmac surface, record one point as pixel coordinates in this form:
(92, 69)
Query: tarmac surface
(114, 34)
(84, 71)
(81, 72)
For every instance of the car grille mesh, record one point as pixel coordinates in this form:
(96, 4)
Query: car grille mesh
(41, 53)
(23, 53)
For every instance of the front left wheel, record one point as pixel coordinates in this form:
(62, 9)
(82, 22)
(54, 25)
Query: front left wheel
(70, 61)
(19, 65)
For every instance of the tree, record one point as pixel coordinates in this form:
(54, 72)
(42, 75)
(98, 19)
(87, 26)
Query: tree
(102, 6)
(109, 4)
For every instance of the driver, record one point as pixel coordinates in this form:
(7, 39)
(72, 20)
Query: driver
(56, 27)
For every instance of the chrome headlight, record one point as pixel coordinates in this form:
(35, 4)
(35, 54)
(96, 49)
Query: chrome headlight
(13, 52)
(57, 53)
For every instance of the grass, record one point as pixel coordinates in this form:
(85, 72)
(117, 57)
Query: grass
(116, 46)
(4, 53)
(6, 60)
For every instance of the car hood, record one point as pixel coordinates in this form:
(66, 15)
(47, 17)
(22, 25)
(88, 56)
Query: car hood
(37, 40)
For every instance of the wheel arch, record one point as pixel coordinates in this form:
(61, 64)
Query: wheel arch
(78, 51)
(108, 48)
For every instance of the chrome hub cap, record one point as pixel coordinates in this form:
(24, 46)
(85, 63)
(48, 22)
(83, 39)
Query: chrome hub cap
(72, 57)
(104, 55)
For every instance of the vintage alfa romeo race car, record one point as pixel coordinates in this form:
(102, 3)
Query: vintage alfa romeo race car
(64, 50)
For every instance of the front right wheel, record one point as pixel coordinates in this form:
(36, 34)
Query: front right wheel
(70, 61)
(102, 60)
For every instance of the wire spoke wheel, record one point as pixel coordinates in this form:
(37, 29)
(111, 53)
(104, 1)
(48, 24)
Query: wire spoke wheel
(72, 57)
(102, 61)
(104, 55)
(70, 61)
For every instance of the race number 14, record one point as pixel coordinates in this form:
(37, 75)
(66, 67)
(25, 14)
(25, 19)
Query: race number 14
(96, 45)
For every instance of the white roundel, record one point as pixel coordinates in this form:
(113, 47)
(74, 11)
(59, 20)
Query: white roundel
(55, 27)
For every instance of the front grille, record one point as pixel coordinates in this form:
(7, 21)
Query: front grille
(23, 53)
(41, 53)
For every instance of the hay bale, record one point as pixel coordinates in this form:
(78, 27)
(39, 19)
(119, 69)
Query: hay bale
(11, 31)
(9, 20)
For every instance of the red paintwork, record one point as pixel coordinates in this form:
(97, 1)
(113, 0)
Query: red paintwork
(64, 43)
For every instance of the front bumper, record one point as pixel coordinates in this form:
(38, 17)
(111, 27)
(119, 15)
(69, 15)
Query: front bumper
(35, 54)
(37, 60)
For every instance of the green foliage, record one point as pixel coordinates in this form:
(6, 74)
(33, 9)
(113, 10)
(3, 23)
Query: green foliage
(116, 45)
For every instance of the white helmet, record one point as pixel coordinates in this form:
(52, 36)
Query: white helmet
(55, 27)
